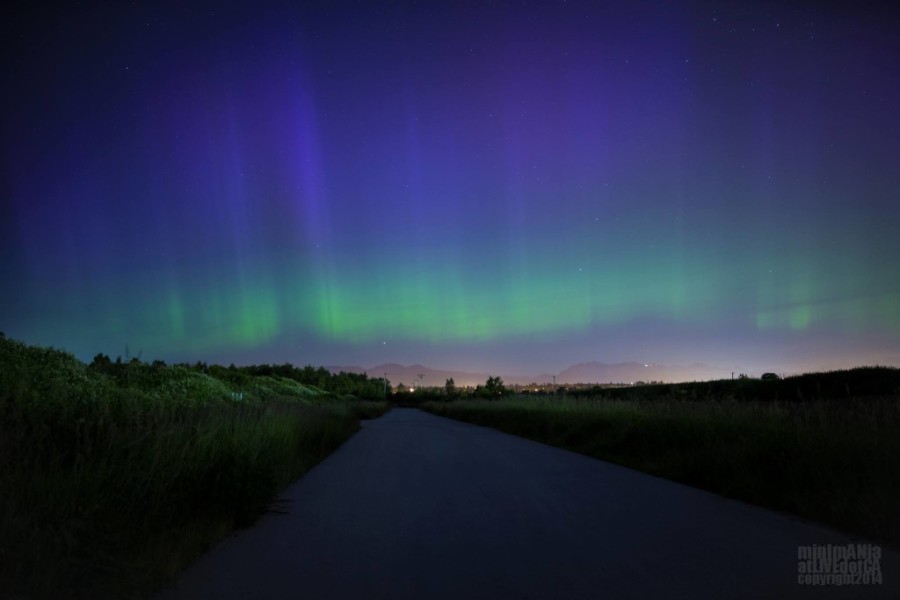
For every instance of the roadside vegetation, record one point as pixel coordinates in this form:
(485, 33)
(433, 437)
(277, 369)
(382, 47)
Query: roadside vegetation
(115, 475)
(822, 446)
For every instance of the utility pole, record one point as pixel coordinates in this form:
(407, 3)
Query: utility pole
(385, 385)
(421, 375)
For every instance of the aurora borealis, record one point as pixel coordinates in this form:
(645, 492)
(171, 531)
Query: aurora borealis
(490, 186)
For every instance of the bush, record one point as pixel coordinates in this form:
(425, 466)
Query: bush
(115, 476)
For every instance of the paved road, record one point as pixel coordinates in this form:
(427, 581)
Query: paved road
(416, 506)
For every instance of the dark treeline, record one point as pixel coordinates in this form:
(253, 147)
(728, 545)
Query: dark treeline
(343, 383)
(133, 371)
(833, 385)
(860, 382)
(492, 389)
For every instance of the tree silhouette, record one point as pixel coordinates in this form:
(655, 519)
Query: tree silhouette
(450, 388)
(494, 386)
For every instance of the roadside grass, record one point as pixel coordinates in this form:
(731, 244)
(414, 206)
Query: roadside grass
(832, 461)
(109, 488)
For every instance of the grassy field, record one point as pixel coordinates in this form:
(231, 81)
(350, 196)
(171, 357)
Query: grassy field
(114, 477)
(833, 461)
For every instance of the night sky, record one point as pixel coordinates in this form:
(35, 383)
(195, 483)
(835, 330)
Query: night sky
(492, 186)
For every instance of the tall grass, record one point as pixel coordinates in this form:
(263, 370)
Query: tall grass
(837, 462)
(108, 490)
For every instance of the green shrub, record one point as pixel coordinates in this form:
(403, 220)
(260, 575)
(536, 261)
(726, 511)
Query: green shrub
(115, 476)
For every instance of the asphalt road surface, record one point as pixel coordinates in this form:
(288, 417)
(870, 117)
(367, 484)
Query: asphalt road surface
(416, 506)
